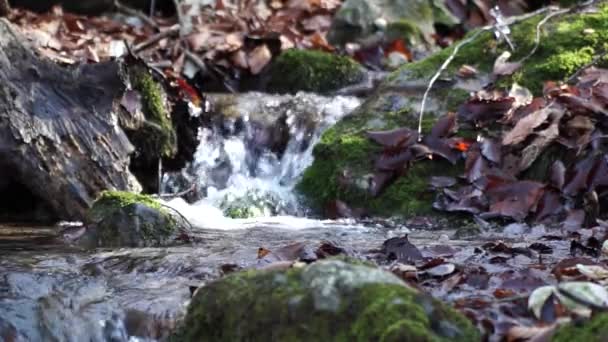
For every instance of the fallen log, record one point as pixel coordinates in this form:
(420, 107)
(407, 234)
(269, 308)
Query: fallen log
(61, 129)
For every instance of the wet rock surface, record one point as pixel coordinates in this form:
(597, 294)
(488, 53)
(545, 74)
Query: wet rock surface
(120, 219)
(328, 300)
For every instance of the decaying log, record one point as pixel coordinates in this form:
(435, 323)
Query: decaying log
(59, 134)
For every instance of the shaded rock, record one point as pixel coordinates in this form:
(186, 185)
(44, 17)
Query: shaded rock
(328, 300)
(122, 219)
(312, 71)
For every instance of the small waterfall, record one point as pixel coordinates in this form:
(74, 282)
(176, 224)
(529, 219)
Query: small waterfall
(253, 150)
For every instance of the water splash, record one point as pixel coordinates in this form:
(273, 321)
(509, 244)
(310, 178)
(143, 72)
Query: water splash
(252, 153)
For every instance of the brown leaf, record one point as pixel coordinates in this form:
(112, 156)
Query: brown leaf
(549, 205)
(259, 58)
(445, 126)
(399, 137)
(481, 111)
(526, 126)
(504, 68)
(491, 149)
(515, 200)
(557, 174)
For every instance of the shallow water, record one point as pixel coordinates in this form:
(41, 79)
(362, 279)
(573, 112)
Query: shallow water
(57, 293)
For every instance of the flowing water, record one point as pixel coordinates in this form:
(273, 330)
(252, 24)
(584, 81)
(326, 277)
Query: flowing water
(252, 152)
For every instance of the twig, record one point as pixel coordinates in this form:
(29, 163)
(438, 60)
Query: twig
(445, 64)
(538, 27)
(178, 194)
(179, 214)
(149, 21)
(180, 17)
(509, 21)
(584, 67)
(5, 8)
(156, 38)
(152, 8)
(205, 68)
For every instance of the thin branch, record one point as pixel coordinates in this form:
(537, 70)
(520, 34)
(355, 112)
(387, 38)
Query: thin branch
(179, 194)
(179, 214)
(180, 16)
(133, 12)
(444, 66)
(584, 67)
(538, 27)
(5, 8)
(173, 30)
(206, 69)
(508, 22)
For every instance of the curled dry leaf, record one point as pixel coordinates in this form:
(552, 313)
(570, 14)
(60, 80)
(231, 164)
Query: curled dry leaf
(504, 68)
(258, 59)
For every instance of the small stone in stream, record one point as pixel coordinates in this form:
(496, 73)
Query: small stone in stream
(401, 249)
(441, 270)
(329, 300)
(123, 219)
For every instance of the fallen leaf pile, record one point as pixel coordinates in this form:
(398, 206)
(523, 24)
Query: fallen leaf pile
(242, 34)
(537, 159)
(236, 36)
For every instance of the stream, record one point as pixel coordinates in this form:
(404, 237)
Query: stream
(252, 152)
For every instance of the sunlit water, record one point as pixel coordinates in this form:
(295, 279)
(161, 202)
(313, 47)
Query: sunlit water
(57, 293)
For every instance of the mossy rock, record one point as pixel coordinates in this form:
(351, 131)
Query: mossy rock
(313, 71)
(124, 219)
(595, 330)
(157, 138)
(329, 300)
(567, 43)
(355, 21)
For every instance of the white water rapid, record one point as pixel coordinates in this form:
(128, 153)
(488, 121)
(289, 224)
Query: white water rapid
(251, 156)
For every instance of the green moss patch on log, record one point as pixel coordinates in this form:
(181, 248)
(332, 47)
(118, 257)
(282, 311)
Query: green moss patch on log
(567, 43)
(157, 137)
(327, 301)
(314, 71)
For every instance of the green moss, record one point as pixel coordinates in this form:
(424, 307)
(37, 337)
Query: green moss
(594, 330)
(405, 29)
(315, 71)
(297, 305)
(345, 148)
(157, 137)
(567, 43)
(111, 208)
(110, 200)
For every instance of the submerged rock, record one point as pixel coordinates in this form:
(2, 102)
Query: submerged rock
(312, 71)
(343, 168)
(328, 300)
(123, 219)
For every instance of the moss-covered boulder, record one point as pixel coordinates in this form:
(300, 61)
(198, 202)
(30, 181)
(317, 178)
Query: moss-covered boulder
(343, 166)
(124, 219)
(595, 330)
(313, 71)
(358, 20)
(329, 300)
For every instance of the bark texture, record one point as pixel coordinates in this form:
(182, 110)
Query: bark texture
(59, 131)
